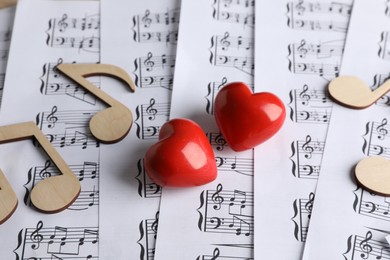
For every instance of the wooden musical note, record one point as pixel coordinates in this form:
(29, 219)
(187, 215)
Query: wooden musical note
(373, 173)
(112, 124)
(8, 199)
(50, 195)
(355, 93)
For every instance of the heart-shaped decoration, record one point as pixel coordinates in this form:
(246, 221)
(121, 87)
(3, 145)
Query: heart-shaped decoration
(373, 173)
(245, 119)
(182, 157)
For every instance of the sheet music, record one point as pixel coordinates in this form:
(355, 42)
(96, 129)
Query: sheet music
(352, 222)
(214, 220)
(45, 34)
(6, 23)
(144, 44)
(299, 46)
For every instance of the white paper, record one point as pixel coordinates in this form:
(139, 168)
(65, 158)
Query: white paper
(299, 46)
(347, 221)
(140, 37)
(214, 220)
(45, 34)
(6, 23)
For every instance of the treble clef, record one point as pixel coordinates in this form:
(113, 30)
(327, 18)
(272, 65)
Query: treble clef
(44, 173)
(304, 95)
(307, 148)
(217, 198)
(309, 204)
(155, 224)
(148, 62)
(220, 142)
(302, 49)
(223, 83)
(150, 110)
(146, 19)
(381, 129)
(225, 42)
(52, 118)
(62, 24)
(365, 246)
(300, 7)
(36, 237)
(215, 254)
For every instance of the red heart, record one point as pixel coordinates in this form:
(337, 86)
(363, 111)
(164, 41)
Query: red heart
(182, 157)
(247, 119)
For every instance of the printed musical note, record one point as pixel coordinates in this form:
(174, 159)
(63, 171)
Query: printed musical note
(304, 58)
(156, 27)
(242, 166)
(243, 227)
(52, 194)
(112, 124)
(315, 16)
(306, 158)
(235, 52)
(375, 139)
(370, 246)
(240, 12)
(58, 242)
(79, 33)
(225, 211)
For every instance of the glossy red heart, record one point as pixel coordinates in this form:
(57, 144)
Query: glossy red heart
(182, 157)
(246, 119)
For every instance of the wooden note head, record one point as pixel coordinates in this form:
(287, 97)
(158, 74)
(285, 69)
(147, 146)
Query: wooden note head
(55, 194)
(351, 92)
(112, 124)
(8, 199)
(373, 173)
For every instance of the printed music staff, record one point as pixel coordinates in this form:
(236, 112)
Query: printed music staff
(352, 92)
(112, 124)
(50, 195)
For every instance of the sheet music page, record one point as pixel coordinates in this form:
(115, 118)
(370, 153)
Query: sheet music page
(140, 37)
(299, 46)
(350, 221)
(45, 34)
(214, 220)
(6, 22)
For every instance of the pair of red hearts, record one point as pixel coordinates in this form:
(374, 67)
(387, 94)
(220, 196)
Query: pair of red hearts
(183, 156)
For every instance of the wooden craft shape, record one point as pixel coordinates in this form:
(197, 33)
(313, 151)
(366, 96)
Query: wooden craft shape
(50, 195)
(112, 124)
(373, 173)
(8, 199)
(355, 93)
